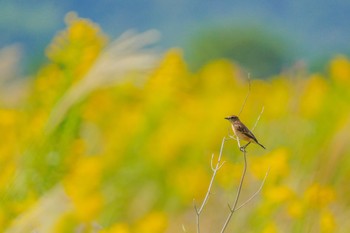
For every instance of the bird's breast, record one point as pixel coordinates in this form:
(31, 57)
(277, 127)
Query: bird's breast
(241, 135)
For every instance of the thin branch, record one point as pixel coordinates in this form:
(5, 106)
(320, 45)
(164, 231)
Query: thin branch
(211, 162)
(195, 205)
(256, 193)
(242, 179)
(246, 98)
(215, 168)
(219, 164)
(257, 120)
(222, 164)
(233, 208)
(184, 228)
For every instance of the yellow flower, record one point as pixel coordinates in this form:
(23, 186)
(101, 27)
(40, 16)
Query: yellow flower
(8, 170)
(82, 186)
(319, 196)
(277, 98)
(313, 96)
(276, 161)
(169, 78)
(3, 220)
(74, 50)
(278, 194)
(216, 75)
(117, 228)
(190, 182)
(155, 222)
(67, 222)
(8, 117)
(24, 204)
(97, 106)
(295, 209)
(89, 206)
(327, 222)
(340, 70)
(270, 228)
(229, 174)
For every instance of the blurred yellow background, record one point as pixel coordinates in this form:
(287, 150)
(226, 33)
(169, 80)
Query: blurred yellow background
(111, 137)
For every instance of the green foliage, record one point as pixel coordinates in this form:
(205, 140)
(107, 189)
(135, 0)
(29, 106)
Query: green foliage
(260, 52)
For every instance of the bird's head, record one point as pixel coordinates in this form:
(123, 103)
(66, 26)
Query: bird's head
(232, 118)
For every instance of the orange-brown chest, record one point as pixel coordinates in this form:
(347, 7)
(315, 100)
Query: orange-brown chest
(240, 135)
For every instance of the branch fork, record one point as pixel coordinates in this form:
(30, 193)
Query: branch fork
(234, 207)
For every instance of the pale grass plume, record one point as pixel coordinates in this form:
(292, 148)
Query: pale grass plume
(124, 55)
(13, 87)
(42, 216)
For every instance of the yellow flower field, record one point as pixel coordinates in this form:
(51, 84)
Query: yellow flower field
(113, 137)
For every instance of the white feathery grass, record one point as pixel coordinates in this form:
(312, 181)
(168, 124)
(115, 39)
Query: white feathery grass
(124, 55)
(44, 214)
(10, 57)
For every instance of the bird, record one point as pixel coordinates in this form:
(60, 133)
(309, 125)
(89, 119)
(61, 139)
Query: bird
(242, 132)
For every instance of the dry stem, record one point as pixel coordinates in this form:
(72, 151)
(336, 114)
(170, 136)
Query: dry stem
(234, 207)
(219, 164)
(257, 120)
(214, 169)
(246, 97)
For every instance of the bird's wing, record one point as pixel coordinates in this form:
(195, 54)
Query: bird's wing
(243, 129)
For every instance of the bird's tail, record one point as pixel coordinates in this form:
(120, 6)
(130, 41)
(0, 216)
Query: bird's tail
(261, 145)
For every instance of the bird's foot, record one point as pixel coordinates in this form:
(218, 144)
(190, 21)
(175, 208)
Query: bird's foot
(242, 148)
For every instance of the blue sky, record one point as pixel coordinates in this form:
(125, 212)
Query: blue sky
(315, 28)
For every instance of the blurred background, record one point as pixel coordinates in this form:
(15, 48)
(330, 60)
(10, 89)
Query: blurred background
(110, 113)
(312, 31)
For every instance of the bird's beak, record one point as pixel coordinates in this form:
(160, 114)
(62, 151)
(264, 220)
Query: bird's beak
(227, 118)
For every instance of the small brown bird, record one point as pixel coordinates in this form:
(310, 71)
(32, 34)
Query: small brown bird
(242, 132)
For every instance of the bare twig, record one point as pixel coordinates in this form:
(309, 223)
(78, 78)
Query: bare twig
(257, 120)
(219, 164)
(215, 169)
(256, 193)
(233, 208)
(242, 179)
(184, 228)
(246, 98)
